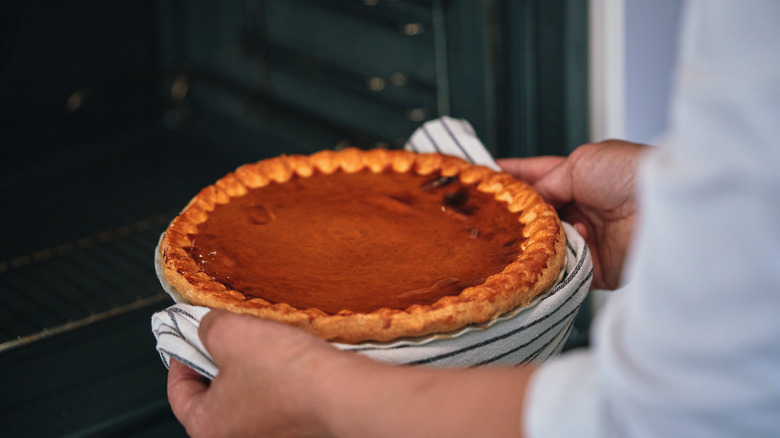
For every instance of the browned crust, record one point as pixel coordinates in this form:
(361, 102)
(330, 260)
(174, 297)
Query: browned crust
(534, 270)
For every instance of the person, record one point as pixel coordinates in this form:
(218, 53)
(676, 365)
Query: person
(690, 233)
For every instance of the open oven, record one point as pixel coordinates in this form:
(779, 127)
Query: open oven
(114, 114)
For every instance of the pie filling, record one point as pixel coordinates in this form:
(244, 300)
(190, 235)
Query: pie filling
(357, 241)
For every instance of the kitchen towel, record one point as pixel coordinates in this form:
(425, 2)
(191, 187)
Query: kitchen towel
(533, 333)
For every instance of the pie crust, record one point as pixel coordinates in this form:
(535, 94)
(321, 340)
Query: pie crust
(533, 245)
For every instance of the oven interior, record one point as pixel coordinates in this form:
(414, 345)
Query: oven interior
(114, 115)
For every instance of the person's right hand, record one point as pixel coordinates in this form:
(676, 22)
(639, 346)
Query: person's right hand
(594, 189)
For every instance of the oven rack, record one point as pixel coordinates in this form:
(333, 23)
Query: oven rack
(78, 283)
(77, 240)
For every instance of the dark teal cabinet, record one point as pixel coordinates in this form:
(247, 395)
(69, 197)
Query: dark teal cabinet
(318, 74)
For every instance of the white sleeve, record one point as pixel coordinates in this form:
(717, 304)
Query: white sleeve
(691, 346)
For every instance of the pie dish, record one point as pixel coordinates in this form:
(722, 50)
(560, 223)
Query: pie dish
(357, 245)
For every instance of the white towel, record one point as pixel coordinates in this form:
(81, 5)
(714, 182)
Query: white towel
(450, 136)
(533, 333)
(176, 331)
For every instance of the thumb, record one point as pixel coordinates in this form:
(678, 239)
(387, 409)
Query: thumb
(550, 176)
(219, 330)
(531, 169)
(556, 186)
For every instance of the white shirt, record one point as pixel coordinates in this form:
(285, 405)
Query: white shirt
(690, 347)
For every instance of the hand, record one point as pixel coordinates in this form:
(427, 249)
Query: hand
(278, 381)
(594, 189)
(262, 385)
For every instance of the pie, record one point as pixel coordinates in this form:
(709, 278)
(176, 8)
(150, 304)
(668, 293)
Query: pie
(365, 245)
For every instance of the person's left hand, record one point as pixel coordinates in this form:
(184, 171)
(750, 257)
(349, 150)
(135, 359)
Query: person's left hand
(278, 381)
(259, 391)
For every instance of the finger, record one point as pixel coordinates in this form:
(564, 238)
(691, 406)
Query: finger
(217, 330)
(556, 186)
(220, 329)
(529, 169)
(581, 229)
(185, 387)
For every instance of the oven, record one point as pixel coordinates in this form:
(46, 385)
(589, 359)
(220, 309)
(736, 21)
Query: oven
(114, 114)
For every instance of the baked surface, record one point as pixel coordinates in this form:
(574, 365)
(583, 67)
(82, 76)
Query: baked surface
(365, 245)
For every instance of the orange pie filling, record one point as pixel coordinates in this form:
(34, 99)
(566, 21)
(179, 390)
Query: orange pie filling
(365, 245)
(357, 241)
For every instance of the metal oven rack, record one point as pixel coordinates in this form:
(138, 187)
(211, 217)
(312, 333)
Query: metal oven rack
(77, 283)
(76, 247)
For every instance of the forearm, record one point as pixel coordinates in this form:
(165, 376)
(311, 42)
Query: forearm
(364, 398)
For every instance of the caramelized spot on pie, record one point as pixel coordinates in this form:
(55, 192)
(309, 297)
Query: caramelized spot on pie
(357, 241)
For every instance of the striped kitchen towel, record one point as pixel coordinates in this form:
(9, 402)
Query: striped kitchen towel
(450, 136)
(176, 331)
(533, 333)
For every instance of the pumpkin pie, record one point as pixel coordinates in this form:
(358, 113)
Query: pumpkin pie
(358, 245)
